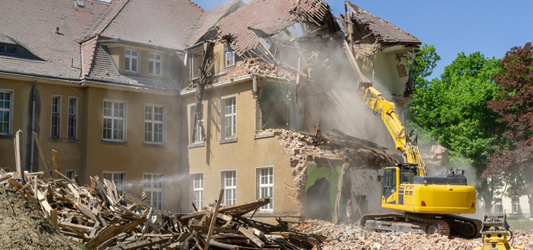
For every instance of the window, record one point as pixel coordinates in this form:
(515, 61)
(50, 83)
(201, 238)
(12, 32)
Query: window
(229, 56)
(5, 111)
(154, 64)
(193, 66)
(56, 116)
(498, 206)
(153, 188)
(114, 120)
(119, 178)
(230, 117)
(154, 118)
(72, 117)
(7, 49)
(516, 206)
(198, 190)
(71, 174)
(229, 183)
(199, 124)
(130, 63)
(265, 186)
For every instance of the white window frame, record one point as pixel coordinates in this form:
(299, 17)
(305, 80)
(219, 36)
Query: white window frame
(229, 56)
(223, 114)
(153, 189)
(259, 185)
(193, 65)
(152, 61)
(130, 58)
(229, 189)
(113, 118)
(198, 189)
(120, 188)
(73, 171)
(198, 137)
(75, 116)
(153, 122)
(58, 113)
(498, 206)
(10, 110)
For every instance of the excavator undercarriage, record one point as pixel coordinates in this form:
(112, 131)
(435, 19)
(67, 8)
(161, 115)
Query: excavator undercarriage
(424, 223)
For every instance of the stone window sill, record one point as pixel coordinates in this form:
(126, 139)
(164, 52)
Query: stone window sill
(197, 145)
(155, 145)
(264, 135)
(52, 139)
(114, 142)
(228, 140)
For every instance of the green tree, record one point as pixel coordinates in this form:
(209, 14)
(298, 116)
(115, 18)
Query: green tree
(453, 111)
(423, 65)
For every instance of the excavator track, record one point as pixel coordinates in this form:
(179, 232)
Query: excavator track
(423, 223)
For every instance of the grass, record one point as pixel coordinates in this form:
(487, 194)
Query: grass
(524, 225)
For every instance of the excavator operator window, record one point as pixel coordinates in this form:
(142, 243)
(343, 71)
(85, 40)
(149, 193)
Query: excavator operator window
(389, 182)
(407, 175)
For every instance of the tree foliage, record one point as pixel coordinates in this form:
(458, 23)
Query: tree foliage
(423, 65)
(453, 109)
(515, 154)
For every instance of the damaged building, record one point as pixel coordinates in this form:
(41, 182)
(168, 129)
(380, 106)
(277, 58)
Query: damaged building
(271, 94)
(260, 99)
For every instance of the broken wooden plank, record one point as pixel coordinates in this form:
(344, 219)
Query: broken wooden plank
(20, 173)
(53, 218)
(54, 160)
(214, 218)
(41, 155)
(140, 243)
(252, 237)
(112, 231)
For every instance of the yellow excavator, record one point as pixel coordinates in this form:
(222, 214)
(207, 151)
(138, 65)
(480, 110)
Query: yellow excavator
(430, 204)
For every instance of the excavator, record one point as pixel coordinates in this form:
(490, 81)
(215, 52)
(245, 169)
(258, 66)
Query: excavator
(430, 204)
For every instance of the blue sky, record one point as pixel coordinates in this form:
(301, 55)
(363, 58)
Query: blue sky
(489, 26)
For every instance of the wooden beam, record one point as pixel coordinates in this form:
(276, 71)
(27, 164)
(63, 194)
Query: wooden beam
(20, 173)
(214, 219)
(54, 159)
(53, 217)
(252, 237)
(41, 155)
(112, 231)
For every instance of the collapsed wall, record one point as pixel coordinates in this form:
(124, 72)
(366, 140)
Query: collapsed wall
(338, 161)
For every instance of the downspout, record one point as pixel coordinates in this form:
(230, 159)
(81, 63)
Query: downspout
(255, 81)
(32, 126)
(180, 136)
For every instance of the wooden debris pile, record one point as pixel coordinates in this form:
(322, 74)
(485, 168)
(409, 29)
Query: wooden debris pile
(101, 217)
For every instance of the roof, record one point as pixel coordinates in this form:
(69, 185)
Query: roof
(210, 18)
(164, 23)
(276, 13)
(388, 32)
(31, 24)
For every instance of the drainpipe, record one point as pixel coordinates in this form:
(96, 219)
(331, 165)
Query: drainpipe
(32, 126)
(180, 154)
(255, 81)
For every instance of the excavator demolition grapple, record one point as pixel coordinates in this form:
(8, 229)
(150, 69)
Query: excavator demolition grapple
(494, 234)
(429, 204)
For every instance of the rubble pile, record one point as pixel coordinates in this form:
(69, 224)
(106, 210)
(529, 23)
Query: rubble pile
(355, 237)
(101, 217)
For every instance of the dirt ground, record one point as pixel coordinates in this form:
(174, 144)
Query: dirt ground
(354, 237)
(26, 228)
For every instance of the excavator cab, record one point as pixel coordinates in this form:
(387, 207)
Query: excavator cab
(394, 176)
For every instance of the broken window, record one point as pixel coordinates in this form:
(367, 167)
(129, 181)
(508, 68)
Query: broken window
(194, 64)
(153, 188)
(229, 184)
(56, 115)
(229, 56)
(199, 124)
(277, 105)
(265, 186)
(198, 190)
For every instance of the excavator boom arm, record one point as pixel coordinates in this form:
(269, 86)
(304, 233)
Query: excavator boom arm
(387, 112)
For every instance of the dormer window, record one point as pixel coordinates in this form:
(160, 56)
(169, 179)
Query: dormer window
(193, 66)
(7, 49)
(131, 61)
(154, 64)
(229, 56)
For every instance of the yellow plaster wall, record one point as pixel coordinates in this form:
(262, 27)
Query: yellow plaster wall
(244, 156)
(135, 158)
